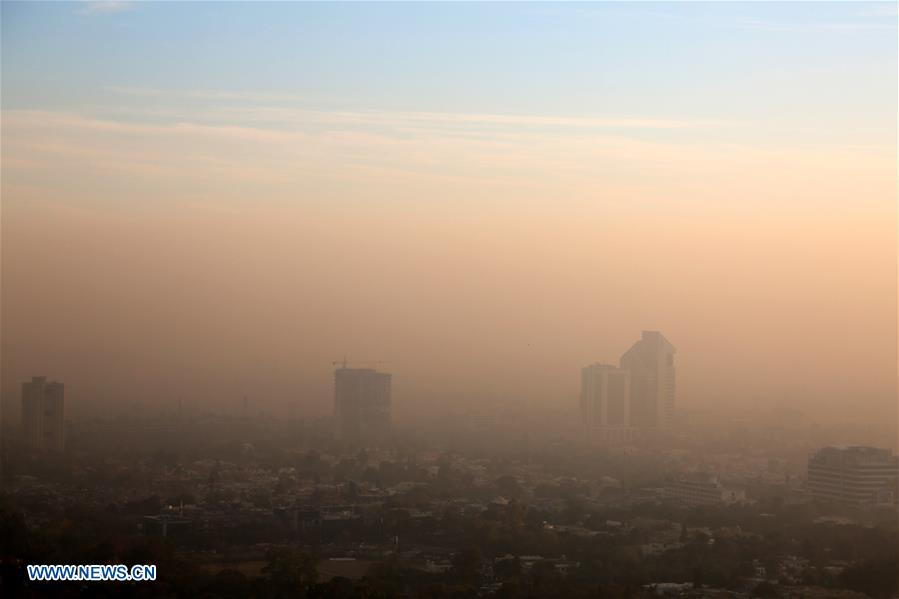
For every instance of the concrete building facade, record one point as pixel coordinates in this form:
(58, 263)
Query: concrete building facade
(651, 364)
(703, 489)
(362, 407)
(854, 475)
(43, 414)
(605, 402)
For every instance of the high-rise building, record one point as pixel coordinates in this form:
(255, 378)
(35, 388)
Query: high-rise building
(605, 402)
(651, 364)
(853, 475)
(361, 404)
(43, 414)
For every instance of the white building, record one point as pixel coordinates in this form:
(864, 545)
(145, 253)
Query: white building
(651, 364)
(853, 475)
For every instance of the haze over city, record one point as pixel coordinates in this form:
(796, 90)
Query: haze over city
(208, 201)
(548, 269)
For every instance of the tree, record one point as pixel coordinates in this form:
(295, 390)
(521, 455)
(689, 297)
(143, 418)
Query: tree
(877, 578)
(508, 568)
(764, 589)
(290, 571)
(467, 564)
(508, 486)
(229, 583)
(544, 577)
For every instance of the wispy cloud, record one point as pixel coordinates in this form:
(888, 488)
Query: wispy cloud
(289, 109)
(203, 94)
(884, 9)
(48, 145)
(833, 26)
(91, 7)
(450, 119)
(859, 21)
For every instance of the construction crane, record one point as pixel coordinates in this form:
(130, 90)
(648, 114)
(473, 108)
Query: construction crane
(343, 363)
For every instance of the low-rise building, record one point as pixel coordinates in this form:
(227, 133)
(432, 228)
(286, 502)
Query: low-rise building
(703, 490)
(854, 475)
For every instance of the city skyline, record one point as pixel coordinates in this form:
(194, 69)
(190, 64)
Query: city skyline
(222, 214)
(509, 300)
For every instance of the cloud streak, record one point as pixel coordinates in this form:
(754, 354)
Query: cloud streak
(297, 114)
(862, 21)
(95, 7)
(60, 151)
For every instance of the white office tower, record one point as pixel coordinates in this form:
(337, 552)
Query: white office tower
(650, 362)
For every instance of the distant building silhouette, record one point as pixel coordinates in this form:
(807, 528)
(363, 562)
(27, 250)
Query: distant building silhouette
(703, 489)
(361, 404)
(651, 364)
(606, 402)
(853, 475)
(43, 414)
(617, 402)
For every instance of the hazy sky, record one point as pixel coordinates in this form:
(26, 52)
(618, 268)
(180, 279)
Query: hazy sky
(215, 199)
